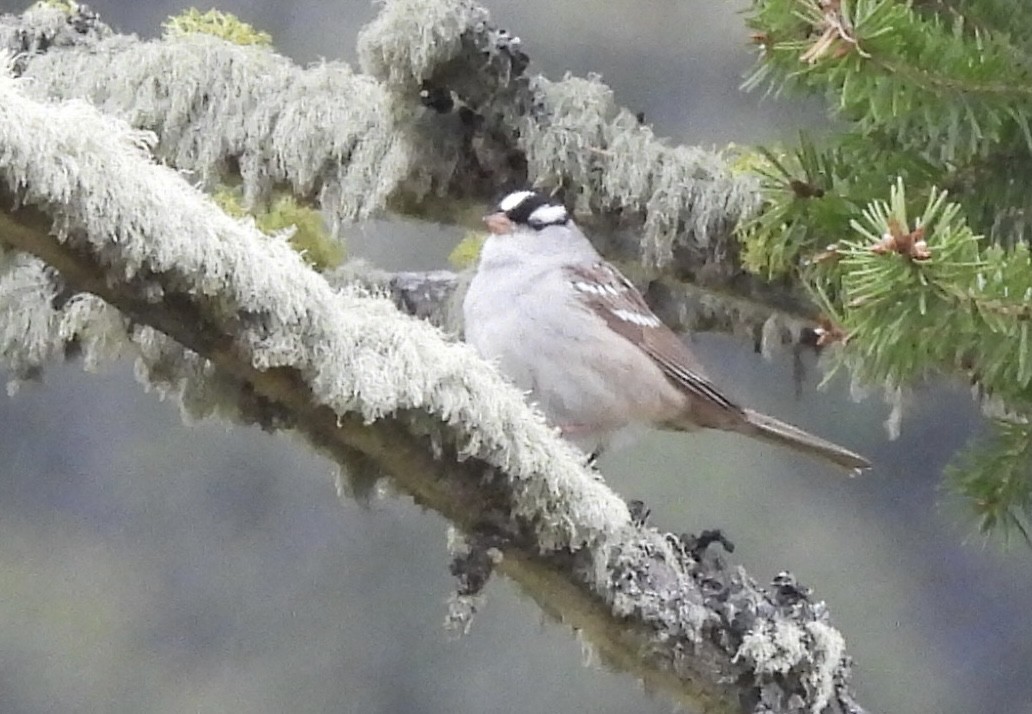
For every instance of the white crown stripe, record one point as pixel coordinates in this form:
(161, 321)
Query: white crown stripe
(513, 199)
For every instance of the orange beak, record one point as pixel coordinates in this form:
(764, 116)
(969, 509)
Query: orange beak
(498, 223)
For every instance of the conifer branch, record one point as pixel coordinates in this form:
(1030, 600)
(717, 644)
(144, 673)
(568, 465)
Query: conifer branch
(928, 100)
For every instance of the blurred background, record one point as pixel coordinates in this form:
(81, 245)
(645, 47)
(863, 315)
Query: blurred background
(148, 566)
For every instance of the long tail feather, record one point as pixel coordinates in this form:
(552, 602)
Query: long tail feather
(770, 429)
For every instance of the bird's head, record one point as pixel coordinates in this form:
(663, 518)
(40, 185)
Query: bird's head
(527, 210)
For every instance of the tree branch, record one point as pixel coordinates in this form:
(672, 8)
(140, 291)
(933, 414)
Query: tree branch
(446, 117)
(257, 336)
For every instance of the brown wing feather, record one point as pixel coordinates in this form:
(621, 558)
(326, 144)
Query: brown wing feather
(615, 299)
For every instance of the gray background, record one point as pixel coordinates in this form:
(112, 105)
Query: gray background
(146, 566)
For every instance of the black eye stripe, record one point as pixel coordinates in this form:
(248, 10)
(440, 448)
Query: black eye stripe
(521, 213)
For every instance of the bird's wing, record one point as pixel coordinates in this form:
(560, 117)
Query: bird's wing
(611, 296)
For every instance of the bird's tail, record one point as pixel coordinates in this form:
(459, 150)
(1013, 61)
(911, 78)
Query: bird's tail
(770, 429)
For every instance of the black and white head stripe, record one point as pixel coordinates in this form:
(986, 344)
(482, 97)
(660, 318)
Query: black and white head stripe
(533, 209)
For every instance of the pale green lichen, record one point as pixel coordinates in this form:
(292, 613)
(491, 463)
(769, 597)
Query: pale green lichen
(828, 651)
(655, 589)
(894, 399)
(49, 25)
(358, 354)
(577, 136)
(322, 129)
(582, 139)
(27, 314)
(358, 142)
(409, 39)
(813, 650)
(35, 331)
(98, 329)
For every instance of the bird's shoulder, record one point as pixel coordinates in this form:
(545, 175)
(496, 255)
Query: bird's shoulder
(608, 291)
(603, 289)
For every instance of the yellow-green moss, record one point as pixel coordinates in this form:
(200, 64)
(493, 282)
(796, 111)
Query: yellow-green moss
(310, 238)
(68, 7)
(215, 22)
(467, 250)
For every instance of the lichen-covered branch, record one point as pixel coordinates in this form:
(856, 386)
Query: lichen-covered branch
(110, 254)
(445, 116)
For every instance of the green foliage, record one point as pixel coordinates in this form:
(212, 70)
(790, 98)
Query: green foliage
(309, 238)
(920, 79)
(939, 89)
(994, 476)
(936, 97)
(917, 296)
(914, 297)
(214, 22)
(778, 238)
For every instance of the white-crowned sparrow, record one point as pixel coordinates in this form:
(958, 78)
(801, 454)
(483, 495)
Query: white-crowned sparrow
(567, 327)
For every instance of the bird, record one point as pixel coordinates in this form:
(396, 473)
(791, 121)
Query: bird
(567, 328)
